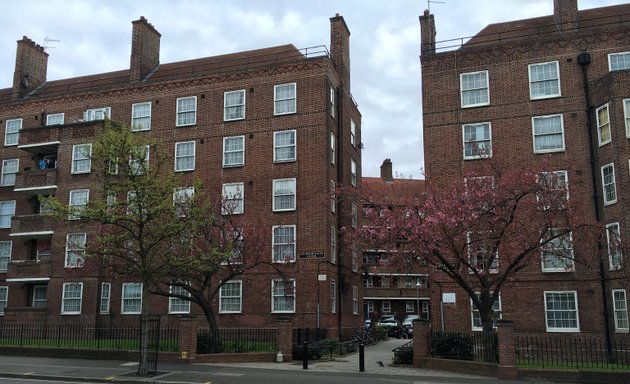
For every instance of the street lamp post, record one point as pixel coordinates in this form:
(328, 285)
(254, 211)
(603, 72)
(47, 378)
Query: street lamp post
(418, 296)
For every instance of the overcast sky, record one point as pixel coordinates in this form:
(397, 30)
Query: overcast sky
(95, 37)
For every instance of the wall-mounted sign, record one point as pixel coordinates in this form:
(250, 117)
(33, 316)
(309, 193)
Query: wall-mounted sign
(448, 297)
(311, 255)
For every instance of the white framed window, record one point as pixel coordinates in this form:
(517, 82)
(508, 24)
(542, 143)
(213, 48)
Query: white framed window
(355, 300)
(544, 80)
(370, 306)
(182, 198)
(284, 195)
(332, 101)
(178, 305)
(233, 199)
(231, 297)
(556, 190)
(139, 160)
(557, 254)
(613, 237)
(5, 254)
(234, 105)
(548, 133)
(4, 298)
(234, 151)
(368, 282)
(75, 250)
(333, 296)
(561, 311)
(81, 158)
(410, 307)
(355, 215)
(283, 241)
(131, 303)
(620, 308)
(141, 116)
(604, 135)
(7, 211)
(475, 91)
(333, 245)
(353, 172)
(483, 253)
(609, 186)
(283, 296)
(185, 156)
(9, 171)
(333, 144)
(477, 141)
(284, 146)
(106, 291)
(476, 318)
(186, 111)
(353, 133)
(71, 298)
(386, 306)
(12, 129)
(39, 296)
(626, 115)
(98, 114)
(43, 249)
(618, 61)
(333, 196)
(55, 119)
(355, 259)
(77, 203)
(284, 96)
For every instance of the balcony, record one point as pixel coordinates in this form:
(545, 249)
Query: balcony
(40, 140)
(36, 182)
(395, 293)
(32, 226)
(29, 270)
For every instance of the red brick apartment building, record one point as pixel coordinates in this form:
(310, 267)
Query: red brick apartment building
(393, 287)
(274, 121)
(556, 86)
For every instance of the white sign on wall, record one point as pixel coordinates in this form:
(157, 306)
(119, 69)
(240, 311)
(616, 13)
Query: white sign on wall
(448, 297)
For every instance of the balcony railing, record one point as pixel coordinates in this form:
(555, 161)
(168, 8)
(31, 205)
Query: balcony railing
(32, 226)
(24, 269)
(37, 180)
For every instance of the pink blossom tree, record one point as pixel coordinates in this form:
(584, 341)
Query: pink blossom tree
(483, 230)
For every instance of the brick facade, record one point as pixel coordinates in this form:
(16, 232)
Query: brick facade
(502, 54)
(316, 74)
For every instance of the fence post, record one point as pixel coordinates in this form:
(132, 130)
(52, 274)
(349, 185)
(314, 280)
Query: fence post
(506, 350)
(421, 348)
(188, 328)
(284, 340)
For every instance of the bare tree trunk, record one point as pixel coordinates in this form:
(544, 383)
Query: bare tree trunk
(143, 367)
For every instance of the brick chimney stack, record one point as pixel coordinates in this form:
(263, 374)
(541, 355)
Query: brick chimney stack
(145, 49)
(340, 48)
(386, 171)
(31, 64)
(565, 13)
(427, 33)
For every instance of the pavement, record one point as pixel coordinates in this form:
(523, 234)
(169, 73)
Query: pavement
(378, 361)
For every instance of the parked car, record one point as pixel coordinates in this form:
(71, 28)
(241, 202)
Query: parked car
(394, 328)
(408, 323)
(367, 323)
(385, 319)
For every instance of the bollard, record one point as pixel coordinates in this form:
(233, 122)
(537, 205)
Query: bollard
(361, 358)
(305, 355)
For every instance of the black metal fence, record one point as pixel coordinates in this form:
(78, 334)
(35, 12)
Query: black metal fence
(569, 351)
(478, 346)
(83, 336)
(237, 340)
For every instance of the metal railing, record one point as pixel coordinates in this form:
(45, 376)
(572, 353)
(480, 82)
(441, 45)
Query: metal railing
(478, 346)
(571, 351)
(237, 340)
(82, 337)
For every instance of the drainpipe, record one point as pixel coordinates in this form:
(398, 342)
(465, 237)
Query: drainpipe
(584, 59)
